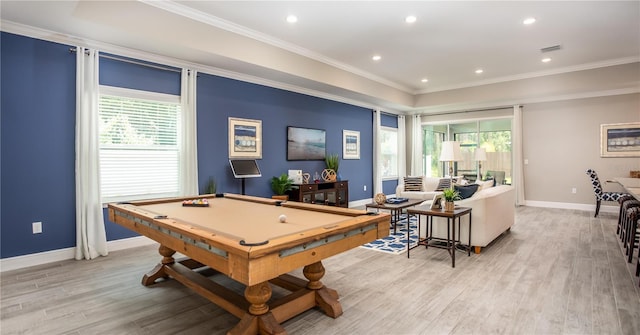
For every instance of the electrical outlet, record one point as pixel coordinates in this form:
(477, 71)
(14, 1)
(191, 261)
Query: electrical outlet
(365, 187)
(573, 190)
(37, 227)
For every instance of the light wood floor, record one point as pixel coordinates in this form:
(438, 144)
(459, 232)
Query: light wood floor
(556, 272)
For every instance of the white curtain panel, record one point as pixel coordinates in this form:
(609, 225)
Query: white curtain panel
(188, 136)
(518, 172)
(377, 172)
(416, 146)
(402, 147)
(91, 240)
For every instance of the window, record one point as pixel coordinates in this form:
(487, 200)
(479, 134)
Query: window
(389, 152)
(494, 135)
(139, 145)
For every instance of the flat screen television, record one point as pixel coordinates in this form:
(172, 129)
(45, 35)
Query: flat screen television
(305, 144)
(245, 168)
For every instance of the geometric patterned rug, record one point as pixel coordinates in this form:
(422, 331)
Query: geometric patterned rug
(396, 243)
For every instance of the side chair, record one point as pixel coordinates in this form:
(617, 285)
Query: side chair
(601, 195)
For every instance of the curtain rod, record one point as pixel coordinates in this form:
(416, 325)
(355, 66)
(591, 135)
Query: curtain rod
(127, 60)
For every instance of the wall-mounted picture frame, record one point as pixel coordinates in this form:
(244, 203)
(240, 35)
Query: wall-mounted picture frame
(620, 140)
(350, 144)
(245, 138)
(306, 144)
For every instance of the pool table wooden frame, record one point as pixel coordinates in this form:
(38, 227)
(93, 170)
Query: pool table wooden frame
(256, 266)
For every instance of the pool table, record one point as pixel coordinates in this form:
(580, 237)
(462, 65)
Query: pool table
(243, 238)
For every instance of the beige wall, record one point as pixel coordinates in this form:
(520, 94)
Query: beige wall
(562, 139)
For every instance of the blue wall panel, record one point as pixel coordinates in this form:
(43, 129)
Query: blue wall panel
(38, 146)
(220, 98)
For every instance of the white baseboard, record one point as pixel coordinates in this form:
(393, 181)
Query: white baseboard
(569, 205)
(19, 262)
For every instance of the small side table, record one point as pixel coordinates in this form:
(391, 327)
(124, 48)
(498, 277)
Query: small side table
(395, 209)
(451, 242)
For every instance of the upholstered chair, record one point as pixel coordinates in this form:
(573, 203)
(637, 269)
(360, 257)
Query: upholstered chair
(600, 194)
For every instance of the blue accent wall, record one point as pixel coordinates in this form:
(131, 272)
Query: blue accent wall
(220, 98)
(38, 145)
(38, 137)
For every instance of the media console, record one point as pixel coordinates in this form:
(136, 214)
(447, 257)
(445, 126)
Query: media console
(334, 193)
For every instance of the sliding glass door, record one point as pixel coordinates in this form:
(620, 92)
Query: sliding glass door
(493, 135)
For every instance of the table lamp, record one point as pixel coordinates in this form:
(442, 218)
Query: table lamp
(450, 153)
(480, 156)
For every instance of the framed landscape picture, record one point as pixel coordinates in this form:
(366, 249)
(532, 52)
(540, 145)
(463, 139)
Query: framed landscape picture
(245, 138)
(306, 144)
(620, 140)
(350, 144)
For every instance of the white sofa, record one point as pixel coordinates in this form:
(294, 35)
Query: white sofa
(493, 213)
(429, 185)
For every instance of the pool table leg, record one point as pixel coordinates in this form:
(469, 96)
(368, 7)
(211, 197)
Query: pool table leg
(259, 320)
(326, 298)
(158, 271)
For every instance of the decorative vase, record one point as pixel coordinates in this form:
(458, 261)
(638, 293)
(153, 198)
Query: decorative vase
(380, 198)
(328, 175)
(449, 206)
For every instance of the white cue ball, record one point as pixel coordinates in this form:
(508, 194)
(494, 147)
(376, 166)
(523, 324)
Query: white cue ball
(282, 218)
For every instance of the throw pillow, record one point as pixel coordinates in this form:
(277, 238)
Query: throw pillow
(466, 191)
(485, 184)
(443, 184)
(413, 184)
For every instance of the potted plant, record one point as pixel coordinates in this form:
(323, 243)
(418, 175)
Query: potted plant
(333, 162)
(210, 187)
(450, 195)
(280, 185)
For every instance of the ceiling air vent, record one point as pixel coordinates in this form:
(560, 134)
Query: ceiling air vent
(551, 48)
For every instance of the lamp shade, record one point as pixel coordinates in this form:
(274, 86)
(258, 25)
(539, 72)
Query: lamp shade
(450, 151)
(481, 154)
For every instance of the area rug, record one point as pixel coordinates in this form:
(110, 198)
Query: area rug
(397, 243)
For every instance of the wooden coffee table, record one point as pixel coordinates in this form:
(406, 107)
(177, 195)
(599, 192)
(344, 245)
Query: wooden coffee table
(395, 209)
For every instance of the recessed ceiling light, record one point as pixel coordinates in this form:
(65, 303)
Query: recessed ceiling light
(410, 19)
(529, 20)
(546, 60)
(479, 71)
(424, 80)
(376, 57)
(292, 18)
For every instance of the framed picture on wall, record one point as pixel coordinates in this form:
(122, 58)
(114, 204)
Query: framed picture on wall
(620, 140)
(350, 144)
(245, 138)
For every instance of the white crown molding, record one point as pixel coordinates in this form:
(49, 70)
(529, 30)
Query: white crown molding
(452, 108)
(217, 22)
(581, 67)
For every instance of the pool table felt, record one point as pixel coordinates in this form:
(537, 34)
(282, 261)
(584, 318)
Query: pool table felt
(245, 220)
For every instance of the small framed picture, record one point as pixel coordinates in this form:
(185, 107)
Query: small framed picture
(350, 144)
(245, 138)
(620, 140)
(437, 202)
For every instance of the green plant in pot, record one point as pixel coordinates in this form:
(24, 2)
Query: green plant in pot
(450, 195)
(280, 185)
(332, 162)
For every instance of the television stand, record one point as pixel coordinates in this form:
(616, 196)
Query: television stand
(331, 193)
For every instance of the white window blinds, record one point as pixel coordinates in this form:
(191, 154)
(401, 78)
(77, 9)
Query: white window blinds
(139, 147)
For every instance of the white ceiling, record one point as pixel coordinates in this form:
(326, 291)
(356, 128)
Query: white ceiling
(447, 43)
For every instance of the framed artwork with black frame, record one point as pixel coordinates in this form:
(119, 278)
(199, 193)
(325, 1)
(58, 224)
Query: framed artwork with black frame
(306, 144)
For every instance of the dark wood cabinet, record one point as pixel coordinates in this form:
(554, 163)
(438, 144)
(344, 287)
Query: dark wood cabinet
(334, 193)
